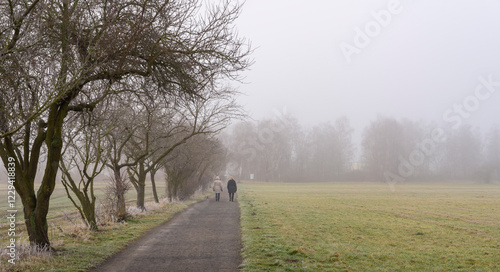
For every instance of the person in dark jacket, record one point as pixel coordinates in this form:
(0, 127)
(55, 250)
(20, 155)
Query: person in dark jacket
(231, 188)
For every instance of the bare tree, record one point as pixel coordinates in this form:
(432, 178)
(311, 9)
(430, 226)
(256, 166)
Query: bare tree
(120, 132)
(493, 155)
(346, 147)
(325, 151)
(265, 148)
(193, 165)
(83, 51)
(462, 153)
(83, 152)
(243, 147)
(383, 145)
(301, 155)
(207, 114)
(22, 101)
(262, 148)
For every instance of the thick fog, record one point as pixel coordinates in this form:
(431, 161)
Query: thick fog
(386, 90)
(421, 60)
(378, 76)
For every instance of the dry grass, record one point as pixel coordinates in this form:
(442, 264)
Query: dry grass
(78, 248)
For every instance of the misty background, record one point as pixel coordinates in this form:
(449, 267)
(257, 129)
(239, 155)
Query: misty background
(398, 68)
(328, 75)
(427, 59)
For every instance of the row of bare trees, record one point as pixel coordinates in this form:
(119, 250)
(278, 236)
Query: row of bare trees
(134, 137)
(397, 150)
(280, 149)
(109, 84)
(392, 150)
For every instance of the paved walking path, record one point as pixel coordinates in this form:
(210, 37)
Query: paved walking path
(204, 237)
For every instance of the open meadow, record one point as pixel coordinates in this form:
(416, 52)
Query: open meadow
(368, 227)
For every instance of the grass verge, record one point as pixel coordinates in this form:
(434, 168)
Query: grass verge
(367, 227)
(78, 249)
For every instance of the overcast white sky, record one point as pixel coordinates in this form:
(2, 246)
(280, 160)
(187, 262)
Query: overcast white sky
(427, 59)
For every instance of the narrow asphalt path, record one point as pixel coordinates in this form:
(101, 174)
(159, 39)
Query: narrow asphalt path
(204, 237)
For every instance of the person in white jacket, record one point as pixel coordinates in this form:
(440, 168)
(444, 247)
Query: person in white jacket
(217, 187)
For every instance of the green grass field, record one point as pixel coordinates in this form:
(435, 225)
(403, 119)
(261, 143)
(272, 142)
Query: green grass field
(367, 227)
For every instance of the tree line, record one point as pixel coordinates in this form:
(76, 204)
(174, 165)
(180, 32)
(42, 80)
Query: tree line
(131, 86)
(391, 150)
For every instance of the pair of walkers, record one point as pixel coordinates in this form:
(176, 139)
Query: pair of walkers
(231, 188)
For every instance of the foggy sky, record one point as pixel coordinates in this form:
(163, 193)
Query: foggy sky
(428, 57)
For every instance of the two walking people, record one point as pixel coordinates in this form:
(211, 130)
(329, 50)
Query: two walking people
(231, 188)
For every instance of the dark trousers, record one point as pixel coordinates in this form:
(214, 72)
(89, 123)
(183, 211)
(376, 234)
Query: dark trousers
(217, 196)
(231, 196)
